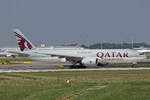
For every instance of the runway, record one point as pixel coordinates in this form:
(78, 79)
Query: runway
(56, 70)
(52, 67)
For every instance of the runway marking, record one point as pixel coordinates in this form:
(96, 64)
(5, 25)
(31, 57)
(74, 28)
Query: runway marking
(57, 70)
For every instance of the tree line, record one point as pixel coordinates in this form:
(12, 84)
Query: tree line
(113, 45)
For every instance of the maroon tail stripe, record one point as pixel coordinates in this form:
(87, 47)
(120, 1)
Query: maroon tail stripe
(22, 42)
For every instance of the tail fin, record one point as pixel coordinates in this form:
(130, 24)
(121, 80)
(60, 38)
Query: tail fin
(23, 42)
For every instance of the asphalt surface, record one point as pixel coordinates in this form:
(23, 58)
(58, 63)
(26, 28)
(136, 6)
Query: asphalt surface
(56, 70)
(34, 66)
(45, 67)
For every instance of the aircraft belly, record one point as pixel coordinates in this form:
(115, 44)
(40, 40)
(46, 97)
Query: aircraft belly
(123, 60)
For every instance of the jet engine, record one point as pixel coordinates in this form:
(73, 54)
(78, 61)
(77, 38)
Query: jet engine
(90, 61)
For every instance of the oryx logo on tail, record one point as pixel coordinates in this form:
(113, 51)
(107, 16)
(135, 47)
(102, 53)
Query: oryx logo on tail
(23, 42)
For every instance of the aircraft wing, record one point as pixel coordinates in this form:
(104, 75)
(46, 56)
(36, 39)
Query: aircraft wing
(68, 58)
(19, 54)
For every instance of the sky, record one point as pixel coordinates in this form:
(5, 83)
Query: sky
(58, 22)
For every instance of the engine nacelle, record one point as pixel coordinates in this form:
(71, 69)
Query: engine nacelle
(90, 61)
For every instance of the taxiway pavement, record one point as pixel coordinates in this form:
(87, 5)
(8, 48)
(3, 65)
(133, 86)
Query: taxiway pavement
(46, 67)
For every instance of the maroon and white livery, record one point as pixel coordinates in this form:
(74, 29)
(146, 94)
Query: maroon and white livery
(85, 57)
(22, 40)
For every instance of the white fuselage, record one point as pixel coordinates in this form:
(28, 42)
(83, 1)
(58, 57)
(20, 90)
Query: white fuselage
(104, 55)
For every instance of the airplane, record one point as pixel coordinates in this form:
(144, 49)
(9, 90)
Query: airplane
(5, 53)
(85, 57)
(143, 50)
